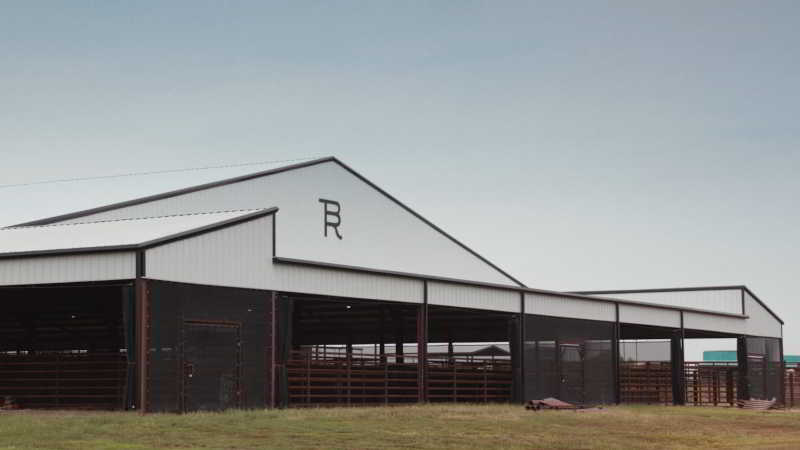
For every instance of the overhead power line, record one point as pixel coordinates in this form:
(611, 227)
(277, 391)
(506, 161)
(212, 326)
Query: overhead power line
(154, 172)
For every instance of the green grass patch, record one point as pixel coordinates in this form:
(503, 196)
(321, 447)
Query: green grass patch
(423, 426)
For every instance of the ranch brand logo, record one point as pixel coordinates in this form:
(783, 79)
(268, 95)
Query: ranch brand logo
(331, 217)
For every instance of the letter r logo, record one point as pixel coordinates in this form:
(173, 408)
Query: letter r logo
(332, 216)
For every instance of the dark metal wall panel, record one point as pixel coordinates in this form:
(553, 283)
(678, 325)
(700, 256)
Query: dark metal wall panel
(760, 361)
(570, 359)
(172, 305)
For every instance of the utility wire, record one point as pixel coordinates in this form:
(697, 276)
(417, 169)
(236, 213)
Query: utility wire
(154, 172)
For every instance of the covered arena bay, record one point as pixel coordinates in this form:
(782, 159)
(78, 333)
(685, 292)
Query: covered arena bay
(211, 297)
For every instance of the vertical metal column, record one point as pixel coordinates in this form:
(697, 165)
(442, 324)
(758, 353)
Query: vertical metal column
(142, 341)
(684, 393)
(521, 375)
(273, 342)
(677, 370)
(678, 367)
(422, 345)
(559, 369)
(399, 338)
(782, 369)
(743, 384)
(382, 336)
(615, 355)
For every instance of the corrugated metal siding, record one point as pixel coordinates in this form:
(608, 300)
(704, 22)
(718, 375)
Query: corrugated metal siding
(709, 322)
(341, 283)
(475, 297)
(241, 256)
(724, 300)
(104, 234)
(645, 315)
(552, 305)
(68, 269)
(760, 322)
(236, 256)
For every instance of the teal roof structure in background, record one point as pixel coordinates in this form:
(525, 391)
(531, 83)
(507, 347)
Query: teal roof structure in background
(730, 355)
(719, 355)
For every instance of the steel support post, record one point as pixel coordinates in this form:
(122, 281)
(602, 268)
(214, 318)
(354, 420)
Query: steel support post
(743, 384)
(422, 345)
(615, 356)
(782, 369)
(142, 342)
(521, 352)
(678, 367)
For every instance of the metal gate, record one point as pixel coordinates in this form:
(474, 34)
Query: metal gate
(757, 376)
(211, 365)
(572, 368)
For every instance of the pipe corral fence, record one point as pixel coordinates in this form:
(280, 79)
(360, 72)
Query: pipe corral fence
(265, 349)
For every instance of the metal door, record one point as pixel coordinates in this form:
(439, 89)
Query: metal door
(211, 369)
(757, 376)
(571, 356)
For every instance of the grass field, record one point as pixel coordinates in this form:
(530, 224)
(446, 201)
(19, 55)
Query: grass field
(426, 426)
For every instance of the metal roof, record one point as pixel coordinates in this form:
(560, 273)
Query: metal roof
(125, 234)
(743, 288)
(265, 173)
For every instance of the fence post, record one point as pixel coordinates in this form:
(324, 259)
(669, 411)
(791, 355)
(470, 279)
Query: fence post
(729, 386)
(485, 385)
(308, 379)
(349, 363)
(715, 386)
(385, 362)
(455, 386)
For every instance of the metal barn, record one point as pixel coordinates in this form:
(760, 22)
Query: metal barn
(265, 290)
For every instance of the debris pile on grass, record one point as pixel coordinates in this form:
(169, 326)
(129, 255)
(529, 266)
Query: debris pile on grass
(757, 404)
(8, 402)
(548, 403)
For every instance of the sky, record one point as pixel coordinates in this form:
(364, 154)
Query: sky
(580, 146)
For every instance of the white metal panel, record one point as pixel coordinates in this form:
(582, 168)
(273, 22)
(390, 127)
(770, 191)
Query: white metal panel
(104, 234)
(68, 269)
(760, 322)
(648, 315)
(465, 296)
(341, 283)
(552, 305)
(241, 256)
(377, 233)
(723, 300)
(236, 256)
(710, 322)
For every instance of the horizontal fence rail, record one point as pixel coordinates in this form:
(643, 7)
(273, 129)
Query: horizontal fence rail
(710, 383)
(64, 380)
(460, 379)
(646, 382)
(340, 378)
(706, 383)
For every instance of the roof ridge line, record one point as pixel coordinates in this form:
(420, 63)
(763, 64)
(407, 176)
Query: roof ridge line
(199, 213)
(173, 193)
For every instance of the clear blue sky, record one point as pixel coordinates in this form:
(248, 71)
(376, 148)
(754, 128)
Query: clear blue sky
(594, 145)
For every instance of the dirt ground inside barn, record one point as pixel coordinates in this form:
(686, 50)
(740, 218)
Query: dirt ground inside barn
(424, 426)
